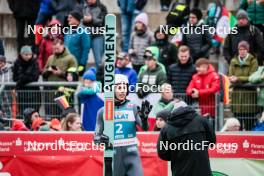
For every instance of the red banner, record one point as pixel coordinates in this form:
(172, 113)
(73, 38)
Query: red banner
(67, 154)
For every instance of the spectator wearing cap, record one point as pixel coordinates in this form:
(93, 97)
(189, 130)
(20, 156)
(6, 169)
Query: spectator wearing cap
(63, 8)
(204, 85)
(153, 76)
(165, 102)
(37, 123)
(185, 125)
(231, 124)
(123, 68)
(243, 99)
(25, 71)
(244, 32)
(141, 38)
(6, 73)
(94, 12)
(161, 119)
(78, 41)
(91, 103)
(255, 10)
(18, 125)
(180, 74)
(167, 50)
(55, 125)
(199, 41)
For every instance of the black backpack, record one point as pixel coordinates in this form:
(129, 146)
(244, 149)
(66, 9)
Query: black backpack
(178, 14)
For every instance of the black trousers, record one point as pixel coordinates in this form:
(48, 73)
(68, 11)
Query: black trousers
(21, 27)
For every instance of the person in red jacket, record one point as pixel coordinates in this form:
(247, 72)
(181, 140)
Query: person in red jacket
(204, 85)
(45, 47)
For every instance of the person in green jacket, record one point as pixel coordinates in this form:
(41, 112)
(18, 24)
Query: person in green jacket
(153, 76)
(55, 71)
(59, 62)
(243, 99)
(255, 9)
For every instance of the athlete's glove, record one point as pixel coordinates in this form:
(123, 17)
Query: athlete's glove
(143, 113)
(103, 139)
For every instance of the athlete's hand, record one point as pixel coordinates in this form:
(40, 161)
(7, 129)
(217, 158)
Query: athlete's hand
(145, 109)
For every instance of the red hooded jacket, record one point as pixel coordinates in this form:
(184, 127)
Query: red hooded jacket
(207, 85)
(45, 47)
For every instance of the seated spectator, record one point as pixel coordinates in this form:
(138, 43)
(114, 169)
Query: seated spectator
(153, 76)
(123, 68)
(72, 122)
(25, 71)
(198, 41)
(59, 62)
(260, 124)
(141, 38)
(78, 43)
(6, 73)
(91, 103)
(45, 46)
(161, 119)
(167, 50)
(244, 32)
(231, 124)
(243, 100)
(18, 125)
(37, 123)
(29, 115)
(55, 125)
(204, 85)
(94, 12)
(180, 74)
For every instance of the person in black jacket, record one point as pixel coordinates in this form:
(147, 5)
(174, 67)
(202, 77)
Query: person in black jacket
(180, 74)
(199, 41)
(190, 158)
(25, 71)
(245, 32)
(25, 13)
(167, 50)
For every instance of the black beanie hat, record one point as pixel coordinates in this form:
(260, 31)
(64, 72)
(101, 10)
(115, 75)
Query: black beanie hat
(77, 15)
(164, 114)
(197, 12)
